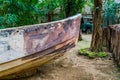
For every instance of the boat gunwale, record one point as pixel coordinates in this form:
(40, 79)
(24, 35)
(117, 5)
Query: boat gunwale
(40, 25)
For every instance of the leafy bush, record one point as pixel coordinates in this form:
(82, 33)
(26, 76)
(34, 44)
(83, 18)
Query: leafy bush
(91, 55)
(101, 54)
(83, 51)
(87, 52)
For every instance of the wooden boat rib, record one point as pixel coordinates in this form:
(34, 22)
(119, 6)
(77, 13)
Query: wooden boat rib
(35, 45)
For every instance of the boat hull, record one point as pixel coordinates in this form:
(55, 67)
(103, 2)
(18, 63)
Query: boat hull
(37, 44)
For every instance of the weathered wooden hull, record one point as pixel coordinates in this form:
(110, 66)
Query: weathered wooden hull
(36, 44)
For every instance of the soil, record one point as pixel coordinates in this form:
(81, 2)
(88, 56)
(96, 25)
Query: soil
(72, 66)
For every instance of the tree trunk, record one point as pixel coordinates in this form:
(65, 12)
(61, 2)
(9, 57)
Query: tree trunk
(49, 16)
(96, 44)
(68, 8)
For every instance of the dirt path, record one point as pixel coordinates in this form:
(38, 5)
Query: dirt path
(72, 66)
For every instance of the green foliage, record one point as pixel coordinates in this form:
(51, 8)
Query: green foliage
(83, 51)
(72, 7)
(88, 3)
(61, 8)
(101, 54)
(91, 55)
(87, 52)
(47, 9)
(17, 12)
(111, 9)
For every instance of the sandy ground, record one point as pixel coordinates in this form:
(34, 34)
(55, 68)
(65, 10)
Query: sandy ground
(72, 66)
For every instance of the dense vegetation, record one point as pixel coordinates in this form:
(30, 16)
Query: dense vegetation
(111, 10)
(15, 13)
(18, 12)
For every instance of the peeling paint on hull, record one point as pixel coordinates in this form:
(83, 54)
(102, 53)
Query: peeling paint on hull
(23, 45)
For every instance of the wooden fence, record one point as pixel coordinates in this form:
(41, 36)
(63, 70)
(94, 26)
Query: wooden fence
(111, 39)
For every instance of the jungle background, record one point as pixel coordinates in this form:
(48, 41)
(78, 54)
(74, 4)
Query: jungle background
(14, 13)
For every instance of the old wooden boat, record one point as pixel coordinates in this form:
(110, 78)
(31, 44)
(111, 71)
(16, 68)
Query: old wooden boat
(28, 47)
